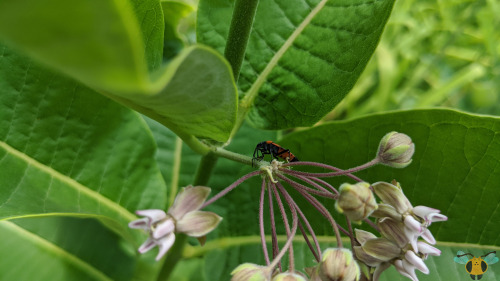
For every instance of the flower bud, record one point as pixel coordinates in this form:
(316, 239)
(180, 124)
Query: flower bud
(250, 272)
(385, 210)
(392, 195)
(395, 150)
(289, 276)
(338, 264)
(381, 249)
(393, 230)
(356, 201)
(367, 259)
(363, 236)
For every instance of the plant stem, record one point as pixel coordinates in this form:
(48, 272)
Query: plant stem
(233, 156)
(274, 236)
(176, 166)
(205, 168)
(229, 188)
(173, 256)
(239, 32)
(261, 222)
(285, 222)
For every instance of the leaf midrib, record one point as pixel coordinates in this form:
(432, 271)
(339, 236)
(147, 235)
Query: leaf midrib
(71, 183)
(251, 94)
(35, 239)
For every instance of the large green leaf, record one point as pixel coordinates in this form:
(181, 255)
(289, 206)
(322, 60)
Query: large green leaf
(302, 58)
(454, 167)
(64, 150)
(116, 47)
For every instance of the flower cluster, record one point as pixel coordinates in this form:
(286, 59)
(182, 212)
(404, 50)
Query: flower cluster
(399, 224)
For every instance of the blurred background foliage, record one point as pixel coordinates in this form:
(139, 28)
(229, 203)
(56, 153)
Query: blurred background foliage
(433, 53)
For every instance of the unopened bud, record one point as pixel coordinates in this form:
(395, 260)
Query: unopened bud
(393, 230)
(339, 265)
(367, 259)
(356, 201)
(385, 210)
(381, 249)
(392, 195)
(395, 150)
(251, 272)
(363, 236)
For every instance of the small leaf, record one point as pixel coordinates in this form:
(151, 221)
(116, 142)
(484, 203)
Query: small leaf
(302, 57)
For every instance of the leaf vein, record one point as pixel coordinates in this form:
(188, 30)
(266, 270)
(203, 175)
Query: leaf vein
(254, 89)
(125, 214)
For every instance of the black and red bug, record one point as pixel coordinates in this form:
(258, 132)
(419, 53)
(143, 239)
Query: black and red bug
(275, 150)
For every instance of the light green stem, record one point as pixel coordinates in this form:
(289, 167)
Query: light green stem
(243, 159)
(176, 167)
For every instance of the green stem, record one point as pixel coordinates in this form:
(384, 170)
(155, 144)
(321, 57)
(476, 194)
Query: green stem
(207, 165)
(173, 256)
(243, 159)
(239, 32)
(176, 167)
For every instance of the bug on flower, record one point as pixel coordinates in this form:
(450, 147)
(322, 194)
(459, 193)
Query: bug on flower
(275, 150)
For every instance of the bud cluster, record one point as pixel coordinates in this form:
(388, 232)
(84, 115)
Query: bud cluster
(401, 225)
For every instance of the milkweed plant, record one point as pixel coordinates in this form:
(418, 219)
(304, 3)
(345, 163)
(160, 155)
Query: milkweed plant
(127, 131)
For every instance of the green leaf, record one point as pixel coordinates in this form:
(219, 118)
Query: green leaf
(77, 36)
(64, 150)
(205, 108)
(59, 248)
(22, 246)
(117, 47)
(302, 58)
(454, 169)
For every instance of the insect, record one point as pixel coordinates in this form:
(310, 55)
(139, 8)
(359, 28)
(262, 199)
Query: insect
(276, 151)
(476, 266)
